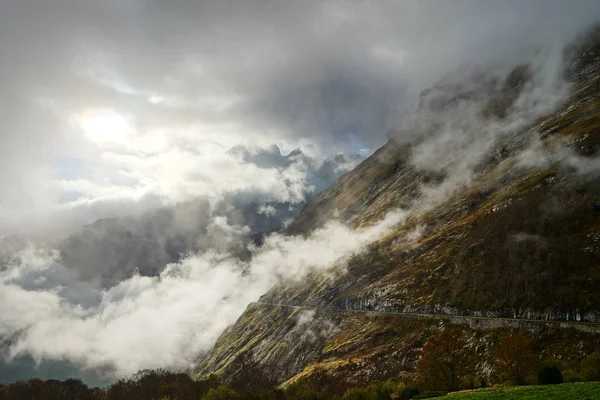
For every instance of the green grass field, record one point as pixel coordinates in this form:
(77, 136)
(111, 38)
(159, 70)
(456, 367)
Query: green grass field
(576, 391)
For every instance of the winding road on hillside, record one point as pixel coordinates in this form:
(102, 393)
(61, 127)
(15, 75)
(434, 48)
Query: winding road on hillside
(471, 321)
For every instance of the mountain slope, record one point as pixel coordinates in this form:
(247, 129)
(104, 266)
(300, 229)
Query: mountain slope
(503, 222)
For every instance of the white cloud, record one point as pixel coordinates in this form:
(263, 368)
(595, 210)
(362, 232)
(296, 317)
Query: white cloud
(196, 74)
(164, 321)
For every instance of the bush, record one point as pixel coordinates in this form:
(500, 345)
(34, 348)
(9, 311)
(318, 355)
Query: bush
(305, 389)
(374, 391)
(590, 368)
(405, 392)
(549, 375)
(571, 376)
(381, 391)
(359, 394)
(223, 392)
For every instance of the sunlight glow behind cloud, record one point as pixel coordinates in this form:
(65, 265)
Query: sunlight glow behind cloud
(105, 126)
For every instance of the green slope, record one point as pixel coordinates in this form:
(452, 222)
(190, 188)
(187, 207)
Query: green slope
(567, 391)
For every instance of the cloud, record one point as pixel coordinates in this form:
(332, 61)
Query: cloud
(201, 77)
(121, 185)
(466, 121)
(163, 321)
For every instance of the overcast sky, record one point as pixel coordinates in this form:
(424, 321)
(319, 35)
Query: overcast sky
(115, 105)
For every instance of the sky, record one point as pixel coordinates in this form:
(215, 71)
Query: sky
(115, 107)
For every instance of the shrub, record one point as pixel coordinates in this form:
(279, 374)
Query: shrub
(305, 389)
(405, 392)
(381, 391)
(590, 368)
(549, 375)
(224, 392)
(571, 376)
(359, 393)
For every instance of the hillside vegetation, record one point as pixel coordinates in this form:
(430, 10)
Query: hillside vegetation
(507, 226)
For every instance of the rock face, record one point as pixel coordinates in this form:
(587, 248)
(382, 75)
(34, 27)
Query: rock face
(501, 224)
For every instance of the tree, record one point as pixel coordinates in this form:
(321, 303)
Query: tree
(514, 358)
(119, 390)
(178, 386)
(76, 389)
(202, 386)
(446, 360)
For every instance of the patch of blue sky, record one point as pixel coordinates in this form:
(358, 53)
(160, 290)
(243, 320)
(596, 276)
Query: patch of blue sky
(70, 168)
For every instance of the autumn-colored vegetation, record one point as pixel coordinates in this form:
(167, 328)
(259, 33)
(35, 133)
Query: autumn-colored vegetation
(446, 361)
(449, 362)
(514, 359)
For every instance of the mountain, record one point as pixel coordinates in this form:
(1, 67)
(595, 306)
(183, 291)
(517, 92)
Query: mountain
(112, 249)
(500, 189)
(321, 174)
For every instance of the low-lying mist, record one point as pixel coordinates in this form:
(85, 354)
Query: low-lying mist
(152, 322)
